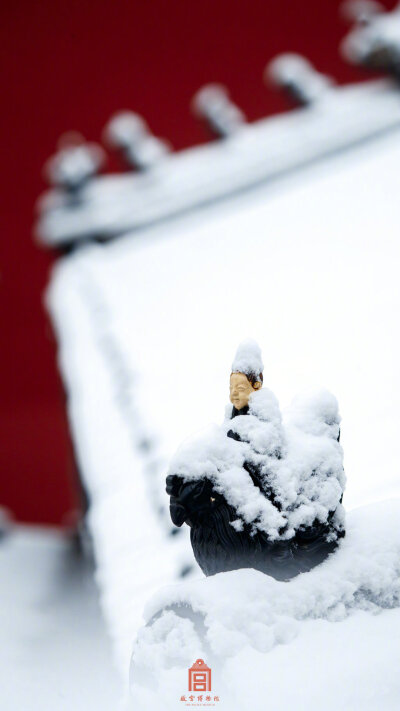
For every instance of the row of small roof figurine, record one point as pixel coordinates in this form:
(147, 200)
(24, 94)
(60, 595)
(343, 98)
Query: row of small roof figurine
(262, 490)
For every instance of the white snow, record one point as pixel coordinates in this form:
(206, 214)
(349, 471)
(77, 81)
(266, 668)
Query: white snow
(301, 461)
(248, 359)
(248, 617)
(379, 35)
(147, 326)
(55, 654)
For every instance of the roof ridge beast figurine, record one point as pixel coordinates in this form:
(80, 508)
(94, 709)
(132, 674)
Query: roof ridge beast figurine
(261, 490)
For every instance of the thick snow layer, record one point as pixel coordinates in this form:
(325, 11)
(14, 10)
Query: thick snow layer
(238, 621)
(147, 327)
(301, 461)
(248, 358)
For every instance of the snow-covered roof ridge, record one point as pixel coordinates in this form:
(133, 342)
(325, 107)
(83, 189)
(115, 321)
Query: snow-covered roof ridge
(248, 359)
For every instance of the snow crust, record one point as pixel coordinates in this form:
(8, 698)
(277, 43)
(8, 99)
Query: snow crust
(298, 457)
(238, 619)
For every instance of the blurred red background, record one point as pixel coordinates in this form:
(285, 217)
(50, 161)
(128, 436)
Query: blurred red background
(70, 65)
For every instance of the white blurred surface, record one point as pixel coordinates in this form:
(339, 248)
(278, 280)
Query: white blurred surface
(55, 653)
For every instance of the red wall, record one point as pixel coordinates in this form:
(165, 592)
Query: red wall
(70, 65)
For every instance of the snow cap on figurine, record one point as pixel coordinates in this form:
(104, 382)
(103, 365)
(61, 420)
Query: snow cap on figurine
(248, 360)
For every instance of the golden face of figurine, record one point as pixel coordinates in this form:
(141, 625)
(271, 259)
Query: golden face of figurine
(241, 389)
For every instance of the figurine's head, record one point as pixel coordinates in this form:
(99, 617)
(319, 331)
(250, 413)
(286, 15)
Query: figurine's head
(241, 387)
(246, 376)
